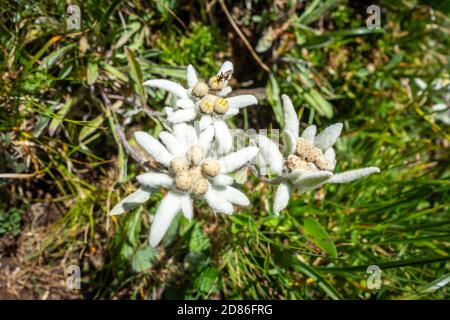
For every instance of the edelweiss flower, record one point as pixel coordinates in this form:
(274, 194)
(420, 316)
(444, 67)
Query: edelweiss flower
(205, 101)
(310, 159)
(188, 171)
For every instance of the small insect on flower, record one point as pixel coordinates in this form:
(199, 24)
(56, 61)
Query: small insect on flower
(216, 83)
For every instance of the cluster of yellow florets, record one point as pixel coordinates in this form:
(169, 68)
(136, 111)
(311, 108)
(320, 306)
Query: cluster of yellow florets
(306, 154)
(207, 93)
(191, 172)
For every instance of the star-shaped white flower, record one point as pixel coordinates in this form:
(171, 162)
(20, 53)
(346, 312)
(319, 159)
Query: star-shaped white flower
(206, 101)
(189, 170)
(310, 158)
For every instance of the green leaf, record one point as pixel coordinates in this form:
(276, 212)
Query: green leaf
(319, 236)
(93, 125)
(132, 28)
(136, 74)
(198, 240)
(129, 241)
(207, 280)
(315, 10)
(43, 120)
(317, 277)
(114, 72)
(318, 103)
(92, 72)
(59, 118)
(144, 259)
(55, 56)
(273, 95)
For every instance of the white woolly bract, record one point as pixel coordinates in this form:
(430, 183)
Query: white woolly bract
(351, 175)
(184, 115)
(168, 208)
(153, 147)
(223, 137)
(282, 196)
(187, 206)
(191, 76)
(169, 86)
(242, 101)
(311, 180)
(327, 138)
(235, 160)
(217, 203)
(155, 179)
(309, 133)
(172, 144)
(232, 195)
(291, 123)
(270, 152)
(131, 201)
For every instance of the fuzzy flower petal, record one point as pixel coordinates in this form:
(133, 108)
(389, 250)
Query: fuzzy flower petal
(153, 147)
(233, 195)
(205, 122)
(351, 175)
(187, 207)
(206, 137)
(309, 133)
(217, 203)
(330, 155)
(327, 138)
(185, 104)
(169, 86)
(225, 91)
(231, 112)
(184, 115)
(270, 151)
(291, 123)
(291, 142)
(191, 135)
(311, 180)
(172, 144)
(138, 197)
(168, 208)
(155, 179)
(191, 76)
(222, 180)
(237, 159)
(223, 136)
(179, 131)
(242, 101)
(282, 196)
